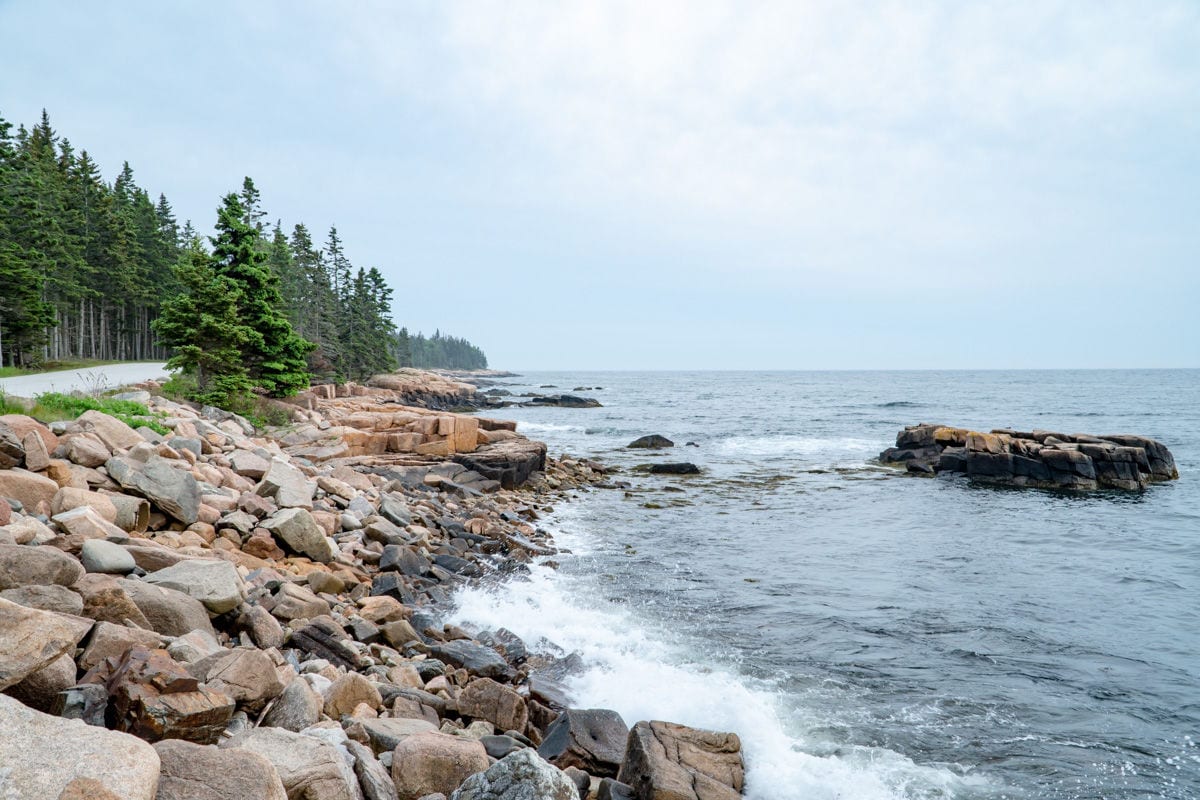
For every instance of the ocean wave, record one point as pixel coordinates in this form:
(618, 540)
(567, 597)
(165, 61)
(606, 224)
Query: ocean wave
(761, 446)
(643, 674)
(546, 427)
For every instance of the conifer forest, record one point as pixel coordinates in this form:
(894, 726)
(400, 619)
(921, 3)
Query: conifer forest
(92, 269)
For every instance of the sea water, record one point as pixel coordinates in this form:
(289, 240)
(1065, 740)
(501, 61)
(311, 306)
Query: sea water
(869, 634)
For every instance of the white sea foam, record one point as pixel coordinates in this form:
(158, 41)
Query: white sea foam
(546, 427)
(642, 675)
(756, 446)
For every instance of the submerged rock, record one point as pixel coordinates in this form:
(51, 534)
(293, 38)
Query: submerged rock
(653, 441)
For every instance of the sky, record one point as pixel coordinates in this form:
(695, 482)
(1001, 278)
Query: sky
(681, 185)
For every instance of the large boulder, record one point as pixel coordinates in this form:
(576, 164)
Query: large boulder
(169, 612)
(245, 674)
(473, 657)
(287, 485)
(373, 777)
(297, 529)
(109, 640)
(522, 775)
(173, 490)
(153, 697)
(34, 491)
(115, 434)
(40, 689)
(591, 739)
(387, 732)
(667, 761)
(295, 709)
(30, 639)
(216, 584)
(428, 763)
(311, 769)
(204, 772)
(497, 703)
(41, 755)
(47, 598)
(344, 695)
(510, 462)
(23, 565)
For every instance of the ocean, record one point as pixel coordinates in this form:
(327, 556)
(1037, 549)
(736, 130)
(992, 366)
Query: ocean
(869, 634)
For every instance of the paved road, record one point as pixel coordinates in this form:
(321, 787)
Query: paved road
(86, 380)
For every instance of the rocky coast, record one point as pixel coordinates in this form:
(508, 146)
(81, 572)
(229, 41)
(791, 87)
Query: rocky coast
(227, 612)
(1039, 459)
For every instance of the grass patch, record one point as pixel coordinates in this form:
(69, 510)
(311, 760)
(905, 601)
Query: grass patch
(53, 406)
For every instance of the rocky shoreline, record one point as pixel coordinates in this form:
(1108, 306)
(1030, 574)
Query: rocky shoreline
(221, 612)
(1038, 459)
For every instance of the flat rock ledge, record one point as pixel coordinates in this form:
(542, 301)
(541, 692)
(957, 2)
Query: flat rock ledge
(1038, 459)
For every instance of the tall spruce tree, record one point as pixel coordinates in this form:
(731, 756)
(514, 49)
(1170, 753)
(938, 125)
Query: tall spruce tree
(201, 324)
(274, 355)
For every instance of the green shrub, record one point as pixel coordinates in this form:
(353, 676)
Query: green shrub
(55, 406)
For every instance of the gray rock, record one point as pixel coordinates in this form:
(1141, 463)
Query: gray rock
(395, 510)
(204, 772)
(522, 775)
(385, 733)
(42, 755)
(473, 657)
(499, 745)
(47, 598)
(297, 529)
(591, 739)
(373, 777)
(99, 555)
(216, 584)
(297, 708)
(287, 485)
(23, 565)
(248, 464)
(653, 441)
(614, 790)
(174, 491)
(169, 612)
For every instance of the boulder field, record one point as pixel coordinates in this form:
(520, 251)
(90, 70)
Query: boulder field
(222, 613)
(1041, 459)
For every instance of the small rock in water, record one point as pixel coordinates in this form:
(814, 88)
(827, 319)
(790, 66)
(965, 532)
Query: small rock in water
(653, 441)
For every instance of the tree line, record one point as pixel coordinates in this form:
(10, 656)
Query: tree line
(88, 266)
(437, 352)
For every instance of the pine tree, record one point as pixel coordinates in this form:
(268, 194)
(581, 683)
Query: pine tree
(202, 325)
(274, 355)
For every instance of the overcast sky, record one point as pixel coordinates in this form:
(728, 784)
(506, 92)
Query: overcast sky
(682, 185)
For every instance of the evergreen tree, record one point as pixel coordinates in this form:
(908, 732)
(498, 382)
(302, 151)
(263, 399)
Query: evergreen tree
(274, 355)
(202, 325)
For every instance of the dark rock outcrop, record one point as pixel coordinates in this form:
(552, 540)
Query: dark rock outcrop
(1041, 459)
(653, 441)
(564, 401)
(510, 462)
